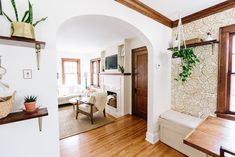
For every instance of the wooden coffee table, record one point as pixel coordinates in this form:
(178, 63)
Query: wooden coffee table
(211, 134)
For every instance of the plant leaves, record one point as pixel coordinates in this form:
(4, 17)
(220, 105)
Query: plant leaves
(37, 22)
(189, 60)
(25, 15)
(8, 18)
(30, 17)
(15, 9)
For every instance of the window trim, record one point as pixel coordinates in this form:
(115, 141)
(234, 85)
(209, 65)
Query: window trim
(225, 72)
(63, 60)
(91, 71)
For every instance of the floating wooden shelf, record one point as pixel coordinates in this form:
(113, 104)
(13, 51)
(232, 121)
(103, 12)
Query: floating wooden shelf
(211, 42)
(22, 115)
(123, 74)
(14, 41)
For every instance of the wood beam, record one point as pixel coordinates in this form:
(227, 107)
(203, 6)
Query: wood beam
(207, 12)
(147, 11)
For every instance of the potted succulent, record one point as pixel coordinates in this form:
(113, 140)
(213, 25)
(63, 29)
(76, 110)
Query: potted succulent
(30, 103)
(25, 27)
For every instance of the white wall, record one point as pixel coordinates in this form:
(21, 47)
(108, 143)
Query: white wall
(15, 137)
(84, 65)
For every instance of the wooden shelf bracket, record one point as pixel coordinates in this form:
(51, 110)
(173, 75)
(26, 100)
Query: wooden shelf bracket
(22, 42)
(38, 51)
(40, 123)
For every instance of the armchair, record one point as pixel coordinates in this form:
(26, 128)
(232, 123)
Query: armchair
(96, 102)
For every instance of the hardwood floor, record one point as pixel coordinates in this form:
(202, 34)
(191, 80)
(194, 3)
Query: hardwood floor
(123, 138)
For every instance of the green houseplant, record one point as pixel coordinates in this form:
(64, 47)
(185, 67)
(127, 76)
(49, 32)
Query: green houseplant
(121, 68)
(30, 103)
(24, 27)
(189, 61)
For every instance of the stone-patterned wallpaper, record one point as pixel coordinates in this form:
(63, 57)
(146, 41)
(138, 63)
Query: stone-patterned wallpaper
(198, 95)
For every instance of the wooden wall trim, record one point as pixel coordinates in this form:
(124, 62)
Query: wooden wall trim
(147, 11)
(225, 71)
(207, 12)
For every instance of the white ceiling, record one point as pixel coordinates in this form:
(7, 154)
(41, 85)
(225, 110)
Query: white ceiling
(172, 8)
(88, 34)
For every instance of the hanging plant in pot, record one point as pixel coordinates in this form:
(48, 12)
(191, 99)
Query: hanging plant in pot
(189, 61)
(23, 28)
(188, 58)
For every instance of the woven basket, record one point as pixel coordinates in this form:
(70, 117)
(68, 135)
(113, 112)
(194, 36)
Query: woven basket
(6, 104)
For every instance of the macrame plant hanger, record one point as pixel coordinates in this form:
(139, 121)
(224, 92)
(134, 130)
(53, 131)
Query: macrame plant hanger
(180, 34)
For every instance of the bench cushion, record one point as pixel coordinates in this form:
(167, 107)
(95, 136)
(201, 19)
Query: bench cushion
(180, 118)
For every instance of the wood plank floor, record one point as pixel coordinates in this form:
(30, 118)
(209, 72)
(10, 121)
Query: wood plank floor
(123, 138)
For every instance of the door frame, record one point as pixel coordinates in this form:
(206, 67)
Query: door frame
(133, 51)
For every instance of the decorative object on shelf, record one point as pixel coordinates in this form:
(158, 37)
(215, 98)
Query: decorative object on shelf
(209, 37)
(6, 105)
(193, 41)
(3, 70)
(27, 74)
(121, 68)
(188, 59)
(23, 28)
(30, 103)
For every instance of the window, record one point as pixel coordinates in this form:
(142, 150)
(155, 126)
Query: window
(226, 78)
(71, 71)
(95, 72)
(232, 75)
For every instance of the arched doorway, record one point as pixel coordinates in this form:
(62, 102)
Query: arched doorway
(71, 24)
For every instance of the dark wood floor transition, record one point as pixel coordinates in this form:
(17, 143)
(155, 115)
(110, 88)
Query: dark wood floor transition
(123, 138)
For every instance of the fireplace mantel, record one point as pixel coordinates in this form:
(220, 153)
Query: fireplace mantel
(122, 74)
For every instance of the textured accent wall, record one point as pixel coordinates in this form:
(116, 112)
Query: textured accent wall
(198, 95)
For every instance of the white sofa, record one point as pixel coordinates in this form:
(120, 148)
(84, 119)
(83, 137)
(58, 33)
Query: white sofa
(68, 92)
(174, 127)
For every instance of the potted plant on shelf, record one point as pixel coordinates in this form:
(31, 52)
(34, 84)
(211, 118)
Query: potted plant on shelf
(30, 103)
(121, 68)
(25, 27)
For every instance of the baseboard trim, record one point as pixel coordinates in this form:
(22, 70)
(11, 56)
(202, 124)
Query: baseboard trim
(152, 137)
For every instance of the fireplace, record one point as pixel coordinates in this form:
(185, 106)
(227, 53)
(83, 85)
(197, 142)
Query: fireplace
(112, 99)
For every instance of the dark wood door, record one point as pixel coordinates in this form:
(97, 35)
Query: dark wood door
(140, 82)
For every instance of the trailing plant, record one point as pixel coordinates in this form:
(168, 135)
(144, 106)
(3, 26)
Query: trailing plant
(121, 68)
(28, 15)
(189, 61)
(30, 98)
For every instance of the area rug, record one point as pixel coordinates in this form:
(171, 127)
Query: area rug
(70, 126)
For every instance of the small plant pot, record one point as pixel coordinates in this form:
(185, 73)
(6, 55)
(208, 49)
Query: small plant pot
(23, 30)
(30, 106)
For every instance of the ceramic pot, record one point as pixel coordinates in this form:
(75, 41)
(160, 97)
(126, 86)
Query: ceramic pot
(23, 30)
(30, 106)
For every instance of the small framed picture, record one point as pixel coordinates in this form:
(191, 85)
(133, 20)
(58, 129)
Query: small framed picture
(27, 73)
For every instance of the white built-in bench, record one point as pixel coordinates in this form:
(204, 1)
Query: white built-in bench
(174, 127)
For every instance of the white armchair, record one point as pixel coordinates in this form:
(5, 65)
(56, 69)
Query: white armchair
(96, 102)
